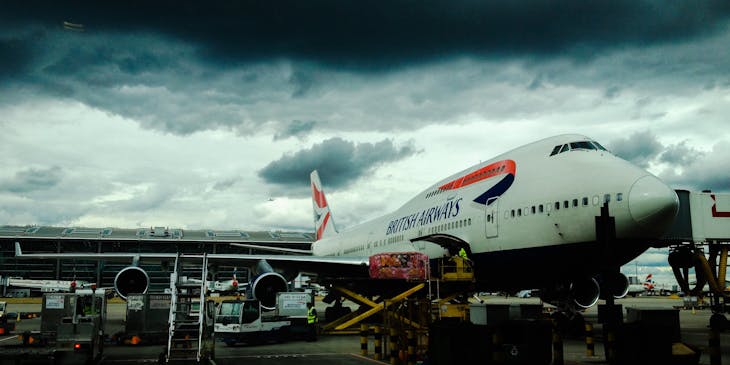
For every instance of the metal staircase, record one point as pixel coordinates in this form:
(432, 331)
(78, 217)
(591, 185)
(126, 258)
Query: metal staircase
(190, 333)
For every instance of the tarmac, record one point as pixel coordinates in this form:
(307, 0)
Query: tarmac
(345, 349)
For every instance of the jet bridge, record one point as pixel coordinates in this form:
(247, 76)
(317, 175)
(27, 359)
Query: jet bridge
(700, 239)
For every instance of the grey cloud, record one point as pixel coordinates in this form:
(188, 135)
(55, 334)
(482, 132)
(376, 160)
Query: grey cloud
(296, 128)
(639, 148)
(339, 162)
(33, 179)
(704, 171)
(225, 184)
(680, 154)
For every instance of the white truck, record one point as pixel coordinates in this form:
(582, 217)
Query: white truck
(244, 321)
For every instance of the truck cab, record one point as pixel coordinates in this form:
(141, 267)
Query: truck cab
(246, 321)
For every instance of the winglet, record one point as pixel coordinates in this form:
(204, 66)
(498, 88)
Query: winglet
(18, 251)
(324, 225)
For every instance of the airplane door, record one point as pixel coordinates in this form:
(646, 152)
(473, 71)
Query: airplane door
(491, 218)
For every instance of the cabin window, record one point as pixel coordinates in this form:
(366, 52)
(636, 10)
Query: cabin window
(595, 200)
(585, 200)
(619, 197)
(469, 221)
(575, 202)
(565, 204)
(607, 198)
(519, 212)
(533, 210)
(489, 218)
(540, 208)
(557, 205)
(513, 213)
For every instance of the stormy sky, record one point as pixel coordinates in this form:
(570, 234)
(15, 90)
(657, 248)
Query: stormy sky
(211, 114)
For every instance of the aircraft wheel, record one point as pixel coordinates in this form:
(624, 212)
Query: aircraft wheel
(719, 322)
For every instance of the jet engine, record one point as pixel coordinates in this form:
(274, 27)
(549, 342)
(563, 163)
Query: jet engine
(266, 283)
(616, 284)
(131, 280)
(265, 287)
(583, 293)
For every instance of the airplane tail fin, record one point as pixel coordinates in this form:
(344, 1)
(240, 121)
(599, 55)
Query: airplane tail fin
(324, 225)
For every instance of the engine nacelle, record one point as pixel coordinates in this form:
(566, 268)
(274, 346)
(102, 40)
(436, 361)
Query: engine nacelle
(265, 287)
(131, 280)
(585, 292)
(615, 284)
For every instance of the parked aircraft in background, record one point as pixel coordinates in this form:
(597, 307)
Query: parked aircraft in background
(46, 285)
(561, 214)
(637, 287)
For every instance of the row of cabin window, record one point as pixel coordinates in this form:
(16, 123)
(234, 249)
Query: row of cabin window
(450, 225)
(390, 240)
(566, 204)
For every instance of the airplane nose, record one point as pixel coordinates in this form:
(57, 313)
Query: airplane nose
(653, 204)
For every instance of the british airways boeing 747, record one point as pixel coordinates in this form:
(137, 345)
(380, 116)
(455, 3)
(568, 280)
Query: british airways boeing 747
(555, 214)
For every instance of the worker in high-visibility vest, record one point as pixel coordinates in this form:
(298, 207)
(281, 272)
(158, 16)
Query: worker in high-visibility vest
(312, 322)
(462, 254)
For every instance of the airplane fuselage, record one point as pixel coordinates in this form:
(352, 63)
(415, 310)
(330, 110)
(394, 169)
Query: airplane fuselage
(530, 213)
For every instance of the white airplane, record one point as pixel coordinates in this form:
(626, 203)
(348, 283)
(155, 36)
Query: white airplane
(636, 287)
(553, 214)
(47, 285)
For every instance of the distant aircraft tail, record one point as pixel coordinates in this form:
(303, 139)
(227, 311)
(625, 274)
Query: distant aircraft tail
(323, 222)
(648, 283)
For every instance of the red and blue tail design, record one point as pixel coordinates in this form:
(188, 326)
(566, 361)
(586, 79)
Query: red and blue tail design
(324, 225)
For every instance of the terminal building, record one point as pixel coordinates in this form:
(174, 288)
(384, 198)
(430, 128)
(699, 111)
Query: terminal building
(140, 240)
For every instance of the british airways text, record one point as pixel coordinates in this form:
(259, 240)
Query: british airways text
(434, 214)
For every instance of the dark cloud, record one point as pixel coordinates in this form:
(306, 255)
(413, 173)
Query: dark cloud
(32, 179)
(640, 148)
(339, 162)
(188, 66)
(296, 128)
(15, 58)
(387, 33)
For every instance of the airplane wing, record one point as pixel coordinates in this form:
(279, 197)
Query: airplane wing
(308, 264)
(272, 248)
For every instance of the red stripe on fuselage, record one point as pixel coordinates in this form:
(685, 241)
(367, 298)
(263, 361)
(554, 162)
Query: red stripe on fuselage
(320, 230)
(491, 170)
(318, 197)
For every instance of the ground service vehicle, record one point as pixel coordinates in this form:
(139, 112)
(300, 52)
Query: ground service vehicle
(5, 326)
(74, 324)
(245, 320)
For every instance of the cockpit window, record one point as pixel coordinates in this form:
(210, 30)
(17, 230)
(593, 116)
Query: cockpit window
(582, 145)
(598, 145)
(556, 150)
(578, 145)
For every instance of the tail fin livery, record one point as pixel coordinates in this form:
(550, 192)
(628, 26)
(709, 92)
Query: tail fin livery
(323, 222)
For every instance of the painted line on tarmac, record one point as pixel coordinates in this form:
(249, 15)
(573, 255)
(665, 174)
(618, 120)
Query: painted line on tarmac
(8, 338)
(279, 356)
(366, 358)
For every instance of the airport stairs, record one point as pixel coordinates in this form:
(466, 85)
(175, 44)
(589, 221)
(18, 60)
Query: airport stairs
(189, 330)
